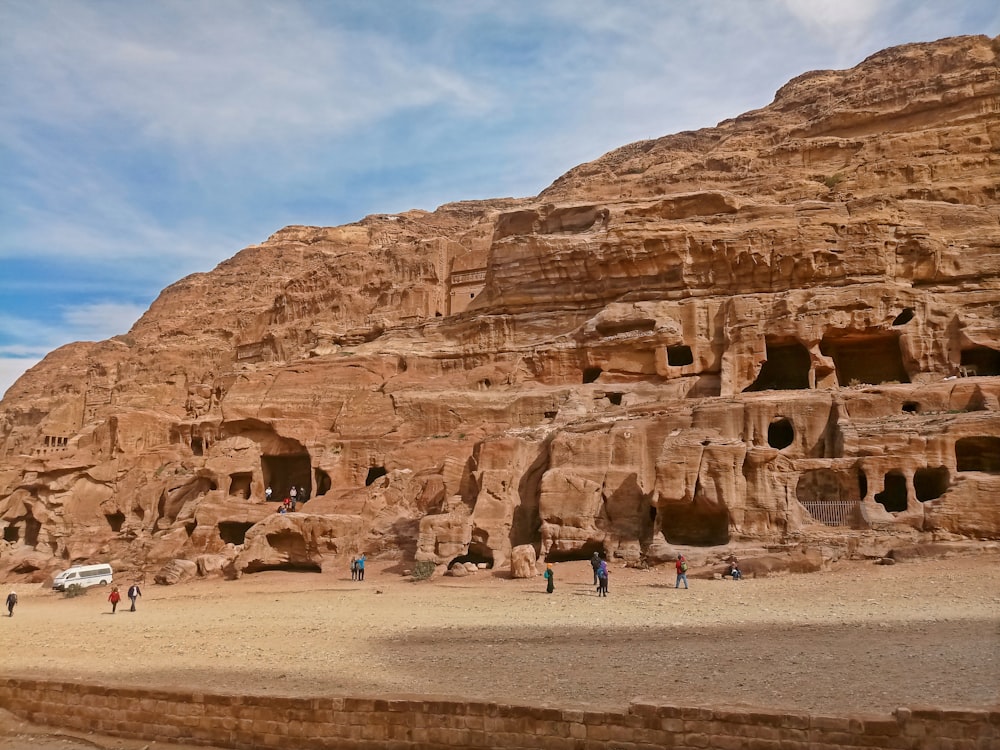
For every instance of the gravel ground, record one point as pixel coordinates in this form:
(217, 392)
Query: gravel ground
(857, 637)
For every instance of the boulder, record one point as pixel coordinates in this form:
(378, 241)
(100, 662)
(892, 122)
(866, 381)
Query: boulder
(176, 571)
(522, 561)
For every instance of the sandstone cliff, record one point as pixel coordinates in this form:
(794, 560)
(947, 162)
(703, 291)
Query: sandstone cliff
(785, 328)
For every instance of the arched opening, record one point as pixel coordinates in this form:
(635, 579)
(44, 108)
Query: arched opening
(115, 520)
(679, 355)
(911, 407)
(323, 482)
(197, 446)
(239, 484)
(904, 317)
(704, 522)
(893, 495)
(615, 399)
(930, 484)
(11, 533)
(981, 360)
(374, 473)
(233, 532)
(478, 554)
(32, 528)
(866, 358)
(831, 497)
(584, 552)
(978, 454)
(591, 374)
(282, 472)
(785, 369)
(780, 433)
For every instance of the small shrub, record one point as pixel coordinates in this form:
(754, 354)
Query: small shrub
(74, 590)
(423, 570)
(833, 180)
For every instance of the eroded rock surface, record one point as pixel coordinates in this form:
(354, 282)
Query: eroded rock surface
(780, 331)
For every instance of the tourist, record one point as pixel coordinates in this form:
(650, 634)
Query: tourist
(268, 493)
(303, 495)
(293, 495)
(733, 569)
(602, 577)
(133, 594)
(114, 597)
(682, 569)
(550, 584)
(282, 509)
(11, 602)
(361, 567)
(595, 563)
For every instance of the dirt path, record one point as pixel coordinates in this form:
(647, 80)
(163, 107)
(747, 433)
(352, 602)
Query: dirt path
(859, 637)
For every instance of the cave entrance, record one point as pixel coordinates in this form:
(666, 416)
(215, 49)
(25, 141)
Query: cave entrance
(981, 360)
(583, 552)
(591, 374)
(115, 520)
(478, 554)
(978, 454)
(904, 317)
(780, 433)
(283, 472)
(785, 369)
(233, 532)
(697, 523)
(375, 472)
(866, 358)
(679, 355)
(930, 483)
(323, 483)
(11, 533)
(197, 446)
(32, 528)
(893, 495)
(239, 484)
(831, 497)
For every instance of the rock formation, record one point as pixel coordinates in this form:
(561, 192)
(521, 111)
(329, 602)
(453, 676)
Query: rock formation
(782, 329)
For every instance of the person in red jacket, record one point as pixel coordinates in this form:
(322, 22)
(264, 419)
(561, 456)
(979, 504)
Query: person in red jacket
(114, 597)
(682, 570)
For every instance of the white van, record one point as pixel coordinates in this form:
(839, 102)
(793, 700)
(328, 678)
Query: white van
(83, 576)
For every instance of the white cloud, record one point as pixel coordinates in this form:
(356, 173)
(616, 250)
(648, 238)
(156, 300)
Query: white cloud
(11, 368)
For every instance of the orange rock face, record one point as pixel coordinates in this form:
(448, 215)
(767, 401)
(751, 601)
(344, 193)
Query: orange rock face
(783, 329)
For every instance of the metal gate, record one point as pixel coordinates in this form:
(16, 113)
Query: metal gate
(833, 512)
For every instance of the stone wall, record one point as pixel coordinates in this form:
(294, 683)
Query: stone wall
(412, 723)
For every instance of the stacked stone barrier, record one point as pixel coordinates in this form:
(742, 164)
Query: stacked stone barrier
(260, 722)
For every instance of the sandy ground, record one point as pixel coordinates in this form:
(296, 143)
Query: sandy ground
(858, 637)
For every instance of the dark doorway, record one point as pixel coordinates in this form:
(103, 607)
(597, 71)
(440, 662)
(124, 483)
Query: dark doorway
(239, 484)
(679, 356)
(197, 446)
(115, 520)
(893, 496)
(591, 374)
(374, 473)
(323, 482)
(615, 399)
(978, 454)
(904, 317)
(911, 407)
(31, 531)
(981, 360)
(11, 534)
(780, 433)
(283, 472)
(866, 358)
(786, 368)
(584, 552)
(930, 484)
(233, 532)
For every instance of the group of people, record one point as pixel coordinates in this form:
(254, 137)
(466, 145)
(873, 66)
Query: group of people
(599, 563)
(295, 496)
(115, 596)
(358, 568)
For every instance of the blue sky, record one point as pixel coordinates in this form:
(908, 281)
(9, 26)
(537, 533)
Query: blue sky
(143, 141)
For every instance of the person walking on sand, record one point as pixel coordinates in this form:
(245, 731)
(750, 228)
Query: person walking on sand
(550, 582)
(133, 594)
(595, 563)
(11, 603)
(682, 570)
(361, 567)
(602, 577)
(114, 597)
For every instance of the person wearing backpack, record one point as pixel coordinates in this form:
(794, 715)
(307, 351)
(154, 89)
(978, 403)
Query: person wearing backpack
(11, 603)
(682, 569)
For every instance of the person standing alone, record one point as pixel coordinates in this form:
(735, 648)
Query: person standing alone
(11, 603)
(133, 594)
(361, 567)
(602, 578)
(682, 570)
(550, 582)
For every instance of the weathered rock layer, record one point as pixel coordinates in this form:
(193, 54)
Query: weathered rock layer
(781, 329)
